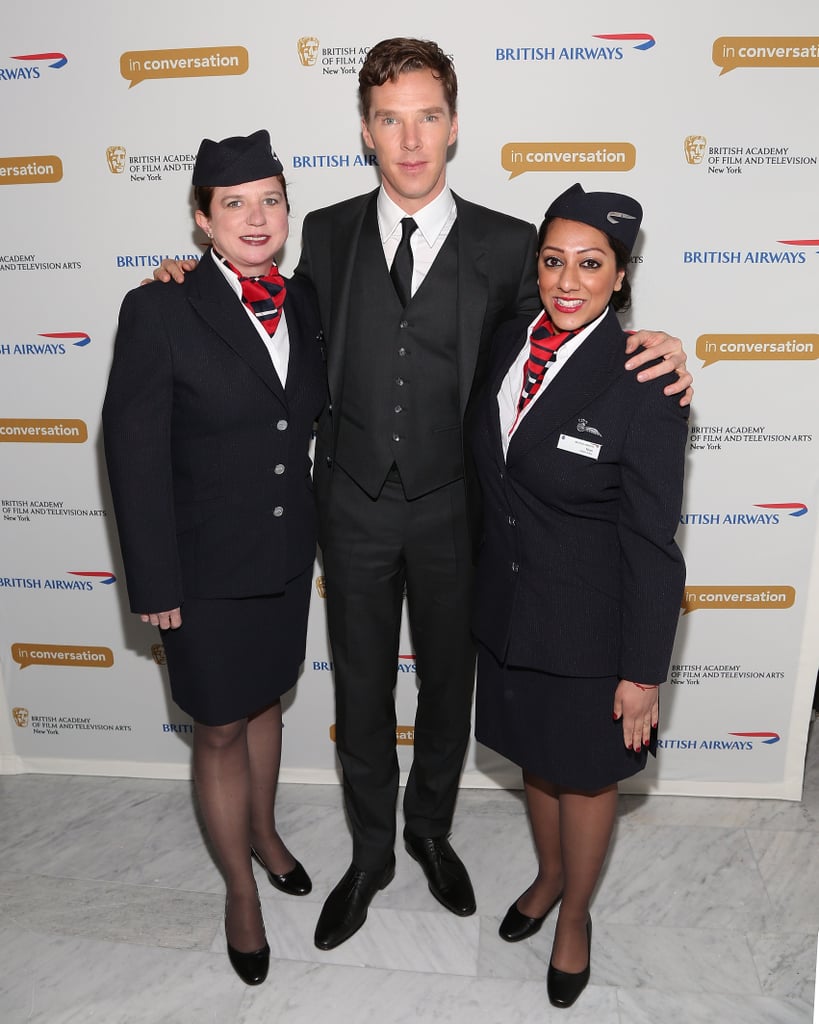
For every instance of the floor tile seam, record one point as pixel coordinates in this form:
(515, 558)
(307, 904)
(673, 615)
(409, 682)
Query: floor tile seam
(53, 930)
(101, 882)
(474, 975)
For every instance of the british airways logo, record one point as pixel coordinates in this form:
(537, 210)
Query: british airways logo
(639, 40)
(741, 741)
(84, 580)
(31, 66)
(774, 512)
(57, 343)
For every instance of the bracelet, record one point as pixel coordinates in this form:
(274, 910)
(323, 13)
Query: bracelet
(641, 687)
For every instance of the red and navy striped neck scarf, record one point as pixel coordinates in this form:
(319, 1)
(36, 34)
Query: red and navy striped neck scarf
(264, 295)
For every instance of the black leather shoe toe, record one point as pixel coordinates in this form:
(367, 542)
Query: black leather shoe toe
(251, 967)
(295, 882)
(447, 877)
(563, 987)
(345, 909)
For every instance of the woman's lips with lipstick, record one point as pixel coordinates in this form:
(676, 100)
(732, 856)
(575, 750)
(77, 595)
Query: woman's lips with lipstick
(566, 305)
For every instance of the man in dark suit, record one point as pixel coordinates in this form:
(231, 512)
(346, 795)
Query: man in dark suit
(397, 502)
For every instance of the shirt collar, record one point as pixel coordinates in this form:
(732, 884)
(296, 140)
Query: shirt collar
(231, 278)
(431, 219)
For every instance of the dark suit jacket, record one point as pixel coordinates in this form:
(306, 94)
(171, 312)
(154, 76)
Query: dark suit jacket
(579, 574)
(206, 452)
(496, 282)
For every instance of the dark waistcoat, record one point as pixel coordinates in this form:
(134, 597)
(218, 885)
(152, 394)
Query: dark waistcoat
(400, 389)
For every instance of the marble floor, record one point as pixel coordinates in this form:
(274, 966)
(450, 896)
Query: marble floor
(708, 911)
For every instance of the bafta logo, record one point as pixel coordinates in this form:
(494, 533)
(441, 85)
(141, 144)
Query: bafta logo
(694, 146)
(158, 654)
(321, 586)
(115, 155)
(308, 47)
(20, 716)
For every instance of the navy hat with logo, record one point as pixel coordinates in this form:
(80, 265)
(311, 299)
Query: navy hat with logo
(236, 160)
(615, 214)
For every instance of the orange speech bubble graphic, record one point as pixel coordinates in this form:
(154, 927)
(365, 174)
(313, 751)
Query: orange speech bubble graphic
(711, 348)
(190, 62)
(520, 157)
(404, 735)
(737, 598)
(62, 655)
(30, 170)
(730, 52)
(44, 431)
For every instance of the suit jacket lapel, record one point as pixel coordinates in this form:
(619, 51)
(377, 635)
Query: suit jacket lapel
(473, 269)
(340, 269)
(591, 369)
(213, 299)
(507, 348)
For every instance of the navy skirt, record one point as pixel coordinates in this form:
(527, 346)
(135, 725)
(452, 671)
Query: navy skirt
(556, 727)
(233, 657)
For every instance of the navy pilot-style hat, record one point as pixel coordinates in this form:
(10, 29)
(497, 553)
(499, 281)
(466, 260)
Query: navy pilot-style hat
(610, 212)
(236, 160)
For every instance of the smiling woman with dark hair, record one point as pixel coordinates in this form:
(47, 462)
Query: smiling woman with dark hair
(579, 577)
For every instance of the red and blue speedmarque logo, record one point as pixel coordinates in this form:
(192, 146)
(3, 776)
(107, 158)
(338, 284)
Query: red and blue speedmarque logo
(766, 737)
(98, 577)
(641, 40)
(59, 60)
(77, 338)
(792, 508)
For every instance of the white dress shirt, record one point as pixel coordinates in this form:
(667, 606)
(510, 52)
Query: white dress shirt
(434, 222)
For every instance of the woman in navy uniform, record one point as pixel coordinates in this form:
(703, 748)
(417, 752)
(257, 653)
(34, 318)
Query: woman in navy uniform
(582, 473)
(211, 401)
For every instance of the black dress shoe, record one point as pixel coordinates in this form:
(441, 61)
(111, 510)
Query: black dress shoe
(345, 909)
(296, 882)
(448, 879)
(564, 987)
(516, 926)
(251, 967)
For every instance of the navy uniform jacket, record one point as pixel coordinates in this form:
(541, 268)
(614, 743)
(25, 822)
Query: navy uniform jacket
(207, 454)
(579, 574)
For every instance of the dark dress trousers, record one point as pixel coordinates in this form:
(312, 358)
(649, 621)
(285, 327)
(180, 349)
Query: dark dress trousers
(208, 462)
(579, 575)
(398, 504)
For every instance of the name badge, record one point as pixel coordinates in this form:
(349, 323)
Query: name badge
(579, 446)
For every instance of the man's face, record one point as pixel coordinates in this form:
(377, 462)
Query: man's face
(410, 127)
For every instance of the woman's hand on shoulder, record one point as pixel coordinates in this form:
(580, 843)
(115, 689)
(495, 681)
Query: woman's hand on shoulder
(654, 344)
(165, 620)
(638, 706)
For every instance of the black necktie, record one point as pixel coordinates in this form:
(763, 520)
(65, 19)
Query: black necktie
(401, 269)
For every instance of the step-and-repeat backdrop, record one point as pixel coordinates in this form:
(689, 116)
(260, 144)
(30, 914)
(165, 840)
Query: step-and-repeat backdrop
(705, 112)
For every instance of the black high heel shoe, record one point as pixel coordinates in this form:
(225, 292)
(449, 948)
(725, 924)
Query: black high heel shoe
(296, 882)
(517, 926)
(563, 987)
(252, 967)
